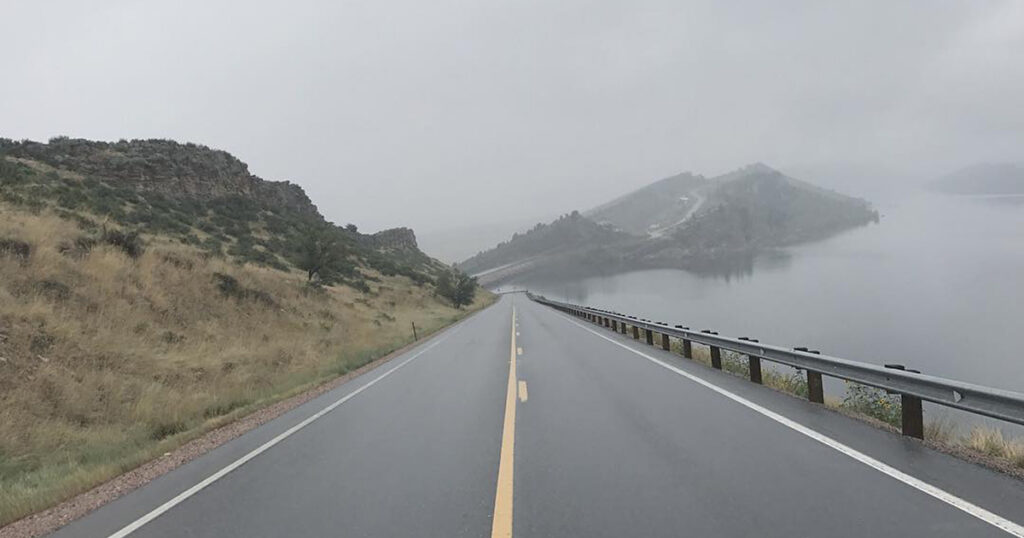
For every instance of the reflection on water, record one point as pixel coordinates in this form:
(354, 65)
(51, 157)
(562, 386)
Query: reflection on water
(938, 286)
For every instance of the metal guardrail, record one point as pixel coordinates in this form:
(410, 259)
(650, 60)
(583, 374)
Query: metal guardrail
(910, 384)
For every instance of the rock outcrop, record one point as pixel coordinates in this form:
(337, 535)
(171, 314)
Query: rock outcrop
(165, 166)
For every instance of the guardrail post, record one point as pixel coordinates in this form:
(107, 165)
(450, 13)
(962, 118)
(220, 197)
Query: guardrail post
(665, 344)
(1003, 405)
(716, 357)
(913, 412)
(716, 353)
(753, 363)
(755, 368)
(687, 345)
(607, 322)
(650, 337)
(815, 387)
(913, 416)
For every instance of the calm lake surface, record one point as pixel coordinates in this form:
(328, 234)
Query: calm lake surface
(937, 285)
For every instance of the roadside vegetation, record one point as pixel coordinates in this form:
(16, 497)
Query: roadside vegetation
(112, 353)
(133, 320)
(457, 287)
(983, 443)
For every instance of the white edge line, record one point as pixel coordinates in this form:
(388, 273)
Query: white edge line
(940, 494)
(160, 510)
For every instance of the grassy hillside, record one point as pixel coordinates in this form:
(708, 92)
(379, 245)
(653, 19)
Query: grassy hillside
(196, 195)
(121, 338)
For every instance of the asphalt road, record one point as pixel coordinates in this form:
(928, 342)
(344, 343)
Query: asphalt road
(596, 435)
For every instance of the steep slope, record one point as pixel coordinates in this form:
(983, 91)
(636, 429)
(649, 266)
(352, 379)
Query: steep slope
(657, 206)
(986, 178)
(140, 309)
(197, 195)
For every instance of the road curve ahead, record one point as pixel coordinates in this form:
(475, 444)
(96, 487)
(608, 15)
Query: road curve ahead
(523, 421)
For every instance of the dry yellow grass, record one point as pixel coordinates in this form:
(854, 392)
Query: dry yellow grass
(992, 442)
(106, 361)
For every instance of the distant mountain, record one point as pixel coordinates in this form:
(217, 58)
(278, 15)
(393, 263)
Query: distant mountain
(685, 221)
(759, 207)
(654, 208)
(986, 178)
(567, 233)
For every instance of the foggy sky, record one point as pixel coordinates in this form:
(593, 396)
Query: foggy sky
(439, 114)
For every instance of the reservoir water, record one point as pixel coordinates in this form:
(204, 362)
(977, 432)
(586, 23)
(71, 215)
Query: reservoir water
(937, 285)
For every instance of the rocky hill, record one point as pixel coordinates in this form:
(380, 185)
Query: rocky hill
(566, 234)
(196, 195)
(150, 292)
(735, 215)
(165, 167)
(655, 208)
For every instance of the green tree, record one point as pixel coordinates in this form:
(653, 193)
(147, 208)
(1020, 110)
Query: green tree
(320, 253)
(465, 289)
(445, 286)
(457, 287)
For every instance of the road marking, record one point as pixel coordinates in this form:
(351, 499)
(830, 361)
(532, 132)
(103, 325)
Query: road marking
(501, 524)
(940, 494)
(523, 395)
(160, 510)
(519, 351)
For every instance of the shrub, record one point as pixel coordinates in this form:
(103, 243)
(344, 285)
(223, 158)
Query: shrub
(53, 289)
(875, 403)
(163, 430)
(230, 287)
(457, 287)
(15, 249)
(79, 248)
(128, 242)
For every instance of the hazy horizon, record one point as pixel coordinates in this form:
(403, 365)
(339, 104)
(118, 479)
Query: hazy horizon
(452, 115)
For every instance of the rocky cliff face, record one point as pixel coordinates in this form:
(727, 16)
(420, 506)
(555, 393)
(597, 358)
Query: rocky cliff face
(395, 239)
(170, 168)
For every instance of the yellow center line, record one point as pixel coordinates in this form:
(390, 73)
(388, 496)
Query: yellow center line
(523, 395)
(501, 525)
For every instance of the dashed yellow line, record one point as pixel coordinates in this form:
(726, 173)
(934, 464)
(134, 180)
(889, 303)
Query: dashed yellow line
(501, 525)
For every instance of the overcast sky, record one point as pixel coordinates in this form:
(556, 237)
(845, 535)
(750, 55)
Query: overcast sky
(436, 114)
